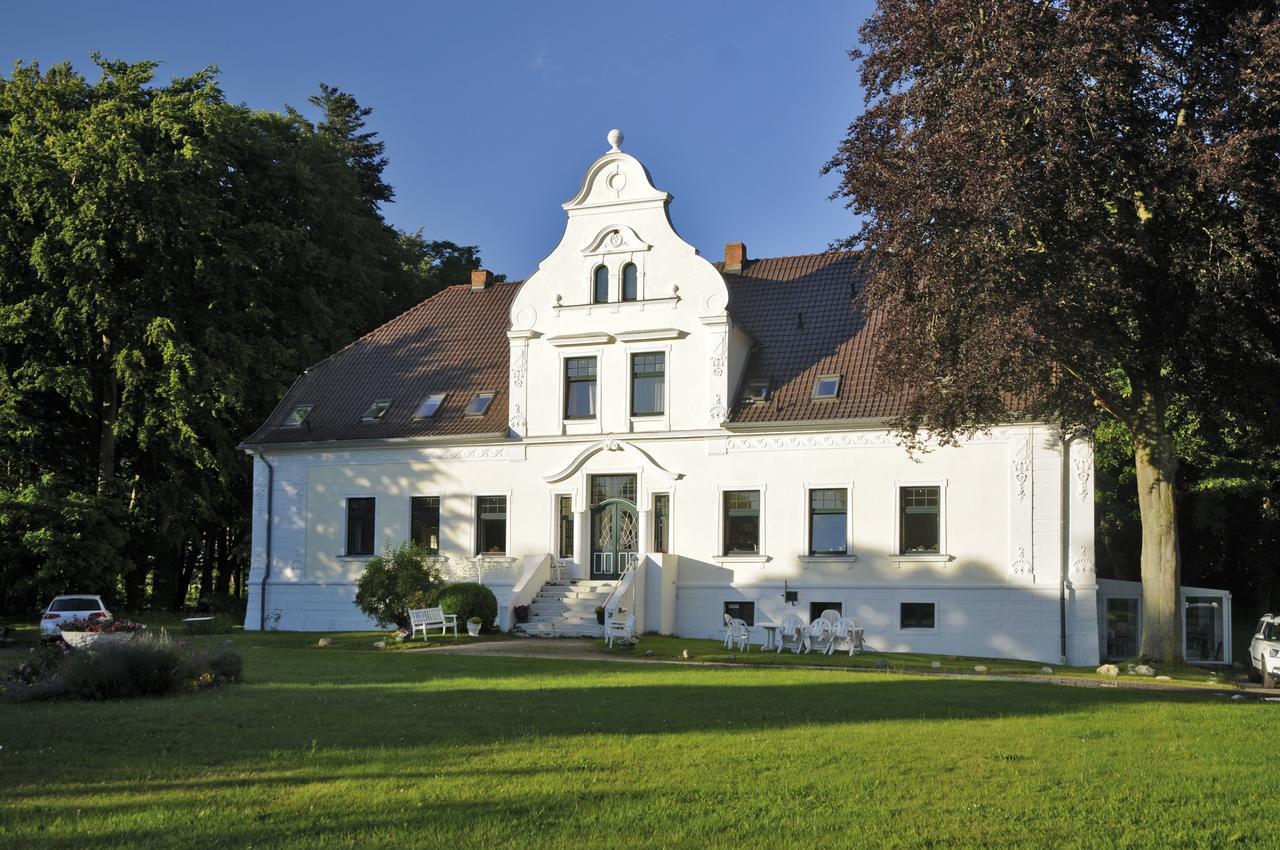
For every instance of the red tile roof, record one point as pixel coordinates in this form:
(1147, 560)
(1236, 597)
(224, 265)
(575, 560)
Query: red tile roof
(801, 313)
(455, 342)
(799, 310)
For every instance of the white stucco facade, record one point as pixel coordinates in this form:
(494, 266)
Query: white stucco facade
(1013, 574)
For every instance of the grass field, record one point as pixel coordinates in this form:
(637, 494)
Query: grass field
(343, 747)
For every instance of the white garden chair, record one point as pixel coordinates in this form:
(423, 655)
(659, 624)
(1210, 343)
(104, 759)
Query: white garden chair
(791, 634)
(848, 635)
(820, 635)
(431, 618)
(620, 629)
(832, 616)
(736, 633)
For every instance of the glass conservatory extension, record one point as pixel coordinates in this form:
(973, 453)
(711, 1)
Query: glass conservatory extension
(1206, 622)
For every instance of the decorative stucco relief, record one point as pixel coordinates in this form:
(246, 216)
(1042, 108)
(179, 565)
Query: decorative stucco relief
(1082, 468)
(860, 439)
(717, 411)
(1083, 564)
(1022, 467)
(1021, 566)
(519, 363)
(517, 419)
(718, 357)
(414, 455)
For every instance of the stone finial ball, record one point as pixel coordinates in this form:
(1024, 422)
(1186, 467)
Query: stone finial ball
(615, 139)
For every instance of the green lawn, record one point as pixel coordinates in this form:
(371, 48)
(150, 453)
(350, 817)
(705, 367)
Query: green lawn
(343, 747)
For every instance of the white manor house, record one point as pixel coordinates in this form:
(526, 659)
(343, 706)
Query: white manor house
(638, 428)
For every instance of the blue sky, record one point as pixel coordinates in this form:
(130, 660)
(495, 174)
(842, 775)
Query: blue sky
(491, 112)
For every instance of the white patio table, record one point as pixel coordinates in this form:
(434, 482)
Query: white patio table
(769, 644)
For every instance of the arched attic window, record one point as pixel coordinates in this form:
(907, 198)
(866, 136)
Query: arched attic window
(600, 287)
(629, 285)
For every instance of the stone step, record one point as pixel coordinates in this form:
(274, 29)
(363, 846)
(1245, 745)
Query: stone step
(562, 629)
(582, 594)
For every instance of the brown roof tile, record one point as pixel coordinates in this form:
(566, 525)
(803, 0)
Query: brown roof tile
(455, 342)
(799, 310)
(805, 322)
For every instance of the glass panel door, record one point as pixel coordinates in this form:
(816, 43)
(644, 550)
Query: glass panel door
(615, 526)
(1122, 628)
(1203, 628)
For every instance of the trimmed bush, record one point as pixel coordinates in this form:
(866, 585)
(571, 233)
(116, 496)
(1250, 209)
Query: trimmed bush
(147, 664)
(392, 583)
(468, 599)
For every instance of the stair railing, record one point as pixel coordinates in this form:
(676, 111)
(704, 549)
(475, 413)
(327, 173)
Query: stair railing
(620, 608)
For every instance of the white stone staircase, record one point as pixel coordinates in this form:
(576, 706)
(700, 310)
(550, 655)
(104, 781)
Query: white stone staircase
(568, 610)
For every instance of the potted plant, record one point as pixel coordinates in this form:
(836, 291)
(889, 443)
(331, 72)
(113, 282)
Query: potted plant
(473, 626)
(600, 614)
(522, 613)
(81, 634)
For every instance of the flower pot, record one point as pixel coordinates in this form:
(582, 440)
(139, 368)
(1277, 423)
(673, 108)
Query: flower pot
(473, 629)
(600, 617)
(522, 613)
(87, 640)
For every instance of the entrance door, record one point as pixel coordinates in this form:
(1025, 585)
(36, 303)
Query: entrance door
(615, 526)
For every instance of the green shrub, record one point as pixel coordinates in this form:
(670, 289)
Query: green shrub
(467, 599)
(144, 665)
(392, 583)
(148, 664)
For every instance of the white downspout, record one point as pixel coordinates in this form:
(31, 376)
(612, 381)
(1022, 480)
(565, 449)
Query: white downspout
(266, 567)
(1064, 543)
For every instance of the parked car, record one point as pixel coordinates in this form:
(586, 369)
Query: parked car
(64, 609)
(1264, 651)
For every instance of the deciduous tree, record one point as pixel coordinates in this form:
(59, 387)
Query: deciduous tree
(1075, 207)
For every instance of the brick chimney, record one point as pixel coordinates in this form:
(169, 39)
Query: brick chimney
(481, 278)
(735, 256)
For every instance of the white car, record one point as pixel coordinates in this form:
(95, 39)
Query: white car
(64, 609)
(1264, 651)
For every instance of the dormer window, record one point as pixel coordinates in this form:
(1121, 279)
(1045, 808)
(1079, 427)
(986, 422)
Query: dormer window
(479, 404)
(630, 285)
(826, 386)
(376, 411)
(429, 406)
(297, 416)
(757, 391)
(600, 286)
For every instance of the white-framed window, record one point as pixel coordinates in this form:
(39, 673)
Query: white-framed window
(741, 522)
(920, 520)
(361, 517)
(491, 524)
(917, 616)
(424, 522)
(630, 283)
(376, 411)
(600, 285)
(479, 404)
(580, 381)
(565, 525)
(828, 520)
(826, 386)
(297, 416)
(429, 406)
(649, 383)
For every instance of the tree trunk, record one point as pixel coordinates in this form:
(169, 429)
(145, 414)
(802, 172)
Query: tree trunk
(107, 430)
(1161, 560)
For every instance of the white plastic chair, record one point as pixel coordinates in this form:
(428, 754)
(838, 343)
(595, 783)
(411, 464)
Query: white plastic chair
(832, 616)
(848, 635)
(737, 633)
(820, 634)
(620, 629)
(791, 634)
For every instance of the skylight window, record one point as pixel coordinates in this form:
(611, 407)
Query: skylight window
(757, 391)
(479, 404)
(297, 416)
(826, 386)
(429, 406)
(376, 411)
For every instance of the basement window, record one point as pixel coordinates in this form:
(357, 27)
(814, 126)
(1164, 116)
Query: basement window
(297, 416)
(376, 411)
(479, 404)
(429, 406)
(826, 386)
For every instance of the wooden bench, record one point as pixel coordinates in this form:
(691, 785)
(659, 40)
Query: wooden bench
(431, 618)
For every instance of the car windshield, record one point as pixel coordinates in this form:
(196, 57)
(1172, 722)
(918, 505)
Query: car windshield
(76, 603)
